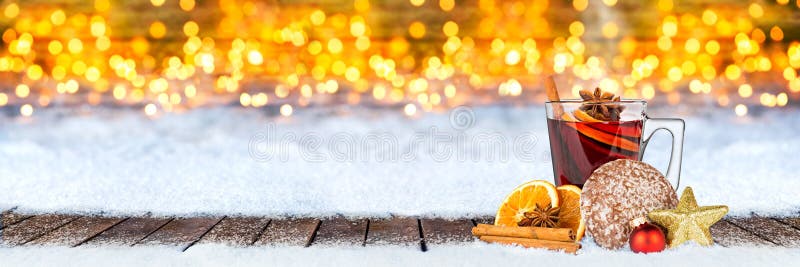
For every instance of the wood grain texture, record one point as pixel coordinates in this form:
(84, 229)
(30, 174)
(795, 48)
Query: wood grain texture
(394, 231)
(340, 231)
(729, 235)
(236, 231)
(72, 230)
(792, 221)
(77, 231)
(441, 231)
(181, 232)
(33, 228)
(9, 217)
(289, 232)
(770, 229)
(128, 232)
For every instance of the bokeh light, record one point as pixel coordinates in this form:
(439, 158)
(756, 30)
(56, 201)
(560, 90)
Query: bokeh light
(416, 56)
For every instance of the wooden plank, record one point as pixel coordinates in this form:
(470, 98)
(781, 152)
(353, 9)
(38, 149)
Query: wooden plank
(441, 231)
(340, 231)
(394, 231)
(770, 229)
(794, 222)
(181, 232)
(237, 231)
(730, 235)
(289, 232)
(33, 228)
(9, 218)
(483, 220)
(128, 232)
(77, 231)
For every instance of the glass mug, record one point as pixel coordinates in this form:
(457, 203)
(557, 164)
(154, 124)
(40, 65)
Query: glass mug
(580, 147)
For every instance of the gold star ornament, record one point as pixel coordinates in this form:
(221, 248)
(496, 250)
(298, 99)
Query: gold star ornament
(688, 221)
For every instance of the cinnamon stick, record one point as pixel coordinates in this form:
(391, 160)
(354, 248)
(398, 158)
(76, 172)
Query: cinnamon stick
(551, 89)
(553, 234)
(552, 95)
(569, 247)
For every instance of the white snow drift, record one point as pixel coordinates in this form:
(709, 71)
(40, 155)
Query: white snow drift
(352, 161)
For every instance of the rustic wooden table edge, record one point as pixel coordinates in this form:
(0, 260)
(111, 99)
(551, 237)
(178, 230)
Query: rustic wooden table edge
(423, 233)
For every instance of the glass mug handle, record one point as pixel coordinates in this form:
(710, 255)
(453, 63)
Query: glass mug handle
(676, 128)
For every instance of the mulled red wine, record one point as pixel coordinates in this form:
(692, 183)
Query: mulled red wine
(578, 148)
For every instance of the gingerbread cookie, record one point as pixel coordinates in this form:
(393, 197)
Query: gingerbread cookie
(618, 192)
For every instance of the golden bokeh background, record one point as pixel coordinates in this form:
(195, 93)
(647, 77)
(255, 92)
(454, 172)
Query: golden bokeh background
(414, 55)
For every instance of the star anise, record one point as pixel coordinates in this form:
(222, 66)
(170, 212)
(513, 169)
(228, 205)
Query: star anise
(541, 217)
(595, 104)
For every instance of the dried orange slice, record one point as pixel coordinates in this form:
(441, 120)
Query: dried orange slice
(570, 214)
(606, 138)
(524, 199)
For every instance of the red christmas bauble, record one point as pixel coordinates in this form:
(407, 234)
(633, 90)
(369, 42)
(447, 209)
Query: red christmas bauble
(647, 238)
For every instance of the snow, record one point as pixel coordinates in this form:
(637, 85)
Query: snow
(474, 254)
(118, 161)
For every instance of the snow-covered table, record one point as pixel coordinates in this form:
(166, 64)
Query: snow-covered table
(422, 233)
(69, 168)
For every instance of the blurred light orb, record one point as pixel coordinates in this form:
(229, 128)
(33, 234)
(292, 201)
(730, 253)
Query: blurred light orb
(255, 57)
(34, 72)
(447, 5)
(190, 28)
(709, 17)
(11, 11)
(416, 30)
(580, 5)
(450, 28)
(745, 90)
(75, 46)
(692, 46)
(576, 28)
(335, 46)
(410, 109)
(245, 99)
(610, 30)
(102, 43)
(358, 28)
(150, 109)
(740, 110)
(782, 99)
(317, 17)
(26, 110)
(58, 17)
(512, 57)
(22, 90)
(417, 2)
(286, 110)
(755, 10)
(776, 33)
(712, 47)
(158, 29)
(186, 5)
